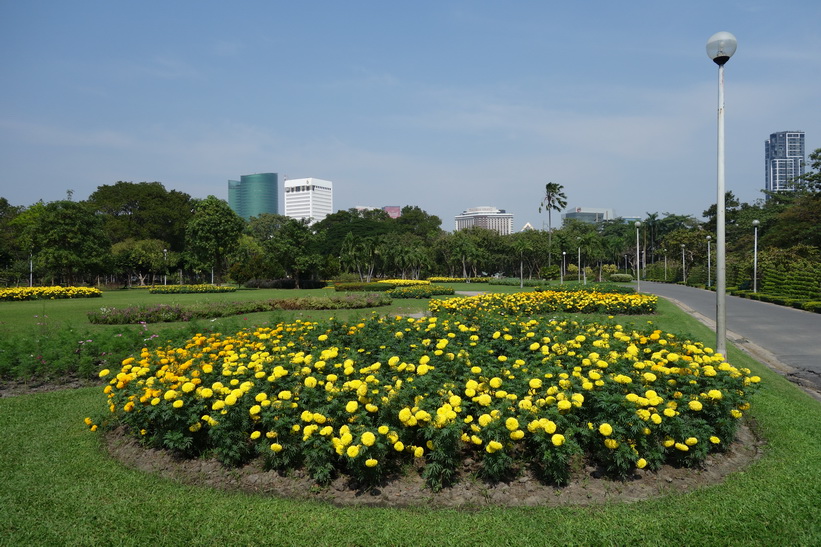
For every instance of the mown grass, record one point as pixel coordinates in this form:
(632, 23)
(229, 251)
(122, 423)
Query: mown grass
(59, 487)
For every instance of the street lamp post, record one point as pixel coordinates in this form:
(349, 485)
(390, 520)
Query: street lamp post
(720, 47)
(683, 267)
(665, 264)
(31, 268)
(579, 260)
(165, 266)
(709, 268)
(638, 263)
(564, 256)
(755, 255)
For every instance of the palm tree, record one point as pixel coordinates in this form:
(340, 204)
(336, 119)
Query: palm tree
(554, 200)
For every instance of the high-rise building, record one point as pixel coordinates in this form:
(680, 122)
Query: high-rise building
(311, 199)
(253, 195)
(486, 217)
(784, 159)
(589, 215)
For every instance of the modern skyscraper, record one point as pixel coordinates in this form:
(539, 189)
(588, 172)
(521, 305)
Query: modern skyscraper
(486, 217)
(253, 195)
(310, 198)
(784, 159)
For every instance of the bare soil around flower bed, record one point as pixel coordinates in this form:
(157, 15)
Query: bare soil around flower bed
(588, 484)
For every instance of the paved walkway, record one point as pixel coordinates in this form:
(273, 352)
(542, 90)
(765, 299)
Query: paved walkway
(785, 339)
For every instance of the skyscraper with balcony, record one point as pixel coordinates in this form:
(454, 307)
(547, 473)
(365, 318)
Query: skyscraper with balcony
(311, 199)
(784, 159)
(253, 195)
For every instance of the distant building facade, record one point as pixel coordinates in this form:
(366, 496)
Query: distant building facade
(310, 198)
(253, 195)
(588, 214)
(394, 211)
(784, 159)
(486, 217)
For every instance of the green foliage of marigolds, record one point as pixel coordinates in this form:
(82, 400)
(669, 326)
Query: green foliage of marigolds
(188, 289)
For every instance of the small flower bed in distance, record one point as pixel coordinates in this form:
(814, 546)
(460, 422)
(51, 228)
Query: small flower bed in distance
(458, 279)
(187, 289)
(420, 291)
(535, 303)
(365, 399)
(49, 293)
(405, 282)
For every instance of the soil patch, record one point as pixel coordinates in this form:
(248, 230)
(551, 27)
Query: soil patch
(588, 485)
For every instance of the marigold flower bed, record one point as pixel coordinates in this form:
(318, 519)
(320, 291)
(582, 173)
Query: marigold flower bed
(48, 293)
(365, 399)
(537, 303)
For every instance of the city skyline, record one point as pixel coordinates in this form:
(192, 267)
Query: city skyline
(487, 108)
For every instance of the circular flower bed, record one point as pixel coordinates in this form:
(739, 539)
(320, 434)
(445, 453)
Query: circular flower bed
(365, 399)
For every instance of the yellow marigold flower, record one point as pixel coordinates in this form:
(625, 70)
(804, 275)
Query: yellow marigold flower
(352, 451)
(493, 446)
(495, 382)
(170, 394)
(256, 435)
(557, 439)
(105, 372)
(641, 463)
(612, 444)
(371, 462)
(512, 424)
(398, 446)
(177, 404)
(516, 435)
(254, 410)
(695, 405)
(206, 392)
(276, 447)
(669, 412)
(535, 383)
(606, 429)
(564, 404)
(155, 401)
(231, 400)
(484, 399)
(188, 387)
(94, 427)
(310, 381)
(383, 429)
(691, 441)
(683, 447)
(284, 395)
(351, 407)
(714, 394)
(207, 368)
(368, 438)
(418, 452)
(715, 440)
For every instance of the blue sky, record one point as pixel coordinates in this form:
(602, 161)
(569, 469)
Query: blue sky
(442, 104)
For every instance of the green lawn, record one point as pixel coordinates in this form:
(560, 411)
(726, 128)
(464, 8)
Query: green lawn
(59, 487)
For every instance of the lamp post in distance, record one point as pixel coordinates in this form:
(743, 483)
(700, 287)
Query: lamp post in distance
(755, 255)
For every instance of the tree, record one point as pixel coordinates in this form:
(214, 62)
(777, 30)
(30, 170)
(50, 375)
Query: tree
(144, 210)
(554, 200)
(66, 239)
(211, 233)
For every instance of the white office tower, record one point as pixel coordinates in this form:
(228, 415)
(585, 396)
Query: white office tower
(311, 199)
